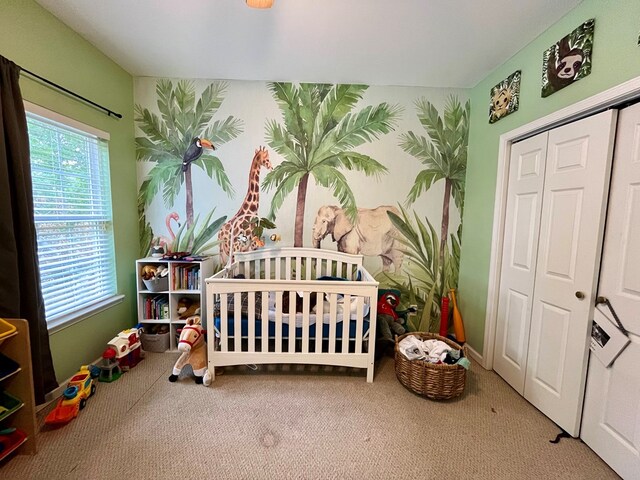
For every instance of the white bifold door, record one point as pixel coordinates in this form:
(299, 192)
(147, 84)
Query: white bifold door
(611, 420)
(557, 195)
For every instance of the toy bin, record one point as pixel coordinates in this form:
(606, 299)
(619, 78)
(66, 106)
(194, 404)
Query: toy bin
(157, 284)
(7, 367)
(434, 381)
(155, 342)
(8, 404)
(6, 330)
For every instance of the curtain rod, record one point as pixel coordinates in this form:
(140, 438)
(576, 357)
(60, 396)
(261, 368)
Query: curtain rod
(69, 92)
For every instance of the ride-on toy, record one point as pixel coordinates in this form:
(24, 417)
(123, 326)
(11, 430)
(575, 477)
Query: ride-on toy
(74, 398)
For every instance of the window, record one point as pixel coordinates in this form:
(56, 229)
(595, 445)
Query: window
(73, 218)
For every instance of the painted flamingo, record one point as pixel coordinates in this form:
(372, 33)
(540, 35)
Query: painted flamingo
(167, 243)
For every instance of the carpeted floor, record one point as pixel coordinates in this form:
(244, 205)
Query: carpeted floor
(302, 423)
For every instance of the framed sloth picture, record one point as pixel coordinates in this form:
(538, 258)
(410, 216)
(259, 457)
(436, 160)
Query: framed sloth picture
(505, 97)
(568, 60)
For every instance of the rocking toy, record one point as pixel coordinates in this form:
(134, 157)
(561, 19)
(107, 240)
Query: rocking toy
(194, 352)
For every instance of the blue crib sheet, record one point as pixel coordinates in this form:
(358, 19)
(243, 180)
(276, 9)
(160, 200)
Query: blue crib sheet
(244, 328)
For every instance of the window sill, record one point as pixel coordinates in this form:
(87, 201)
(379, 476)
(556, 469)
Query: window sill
(65, 321)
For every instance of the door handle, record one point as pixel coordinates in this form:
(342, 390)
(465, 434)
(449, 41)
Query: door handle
(579, 295)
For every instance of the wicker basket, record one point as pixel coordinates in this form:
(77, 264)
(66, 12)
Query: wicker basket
(434, 381)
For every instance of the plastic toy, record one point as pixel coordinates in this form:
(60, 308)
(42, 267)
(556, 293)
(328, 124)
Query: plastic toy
(444, 316)
(75, 396)
(127, 348)
(458, 325)
(109, 367)
(194, 352)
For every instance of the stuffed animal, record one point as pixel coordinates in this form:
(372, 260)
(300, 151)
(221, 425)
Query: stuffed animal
(149, 272)
(188, 307)
(389, 322)
(194, 352)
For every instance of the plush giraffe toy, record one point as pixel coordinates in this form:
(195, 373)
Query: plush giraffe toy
(194, 352)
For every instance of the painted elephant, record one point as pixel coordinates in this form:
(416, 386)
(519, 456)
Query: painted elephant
(373, 235)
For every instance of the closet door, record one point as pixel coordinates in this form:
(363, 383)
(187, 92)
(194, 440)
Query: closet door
(573, 210)
(519, 255)
(611, 421)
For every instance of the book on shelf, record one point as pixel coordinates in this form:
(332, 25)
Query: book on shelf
(156, 308)
(186, 277)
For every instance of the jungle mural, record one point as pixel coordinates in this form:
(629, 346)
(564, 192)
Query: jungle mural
(372, 233)
(237, 234)
(174, 142)
(362, 169)
(317, 138)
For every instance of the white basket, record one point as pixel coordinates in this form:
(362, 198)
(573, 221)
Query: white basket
(157, 284)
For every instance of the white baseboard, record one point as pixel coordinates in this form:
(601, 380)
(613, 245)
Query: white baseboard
(53, 395)
(476, 356)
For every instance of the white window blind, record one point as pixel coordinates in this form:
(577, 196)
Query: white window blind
(73, 217)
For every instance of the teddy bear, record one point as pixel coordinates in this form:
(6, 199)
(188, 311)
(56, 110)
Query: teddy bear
(188, 307)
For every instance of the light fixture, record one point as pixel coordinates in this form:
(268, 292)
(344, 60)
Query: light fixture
(260, 3)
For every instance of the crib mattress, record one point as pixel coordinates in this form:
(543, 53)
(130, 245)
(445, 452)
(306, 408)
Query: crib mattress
(244, 328)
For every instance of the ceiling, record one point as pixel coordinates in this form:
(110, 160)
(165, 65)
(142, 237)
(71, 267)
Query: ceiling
(433, 43)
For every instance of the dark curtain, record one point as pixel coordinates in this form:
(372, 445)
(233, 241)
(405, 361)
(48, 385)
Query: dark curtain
(20, 294)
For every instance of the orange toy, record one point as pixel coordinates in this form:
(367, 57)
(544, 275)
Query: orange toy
(458, 326)
(74, 397)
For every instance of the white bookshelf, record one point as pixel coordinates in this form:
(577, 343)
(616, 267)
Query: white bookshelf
(172, 295)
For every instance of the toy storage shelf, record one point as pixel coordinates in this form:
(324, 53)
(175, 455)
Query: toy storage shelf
(182, 283)
(19, 385)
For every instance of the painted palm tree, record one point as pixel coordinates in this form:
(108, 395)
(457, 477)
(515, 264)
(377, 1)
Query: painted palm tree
(169, 135)
(422, 283)
(444, 156)
(317, 138)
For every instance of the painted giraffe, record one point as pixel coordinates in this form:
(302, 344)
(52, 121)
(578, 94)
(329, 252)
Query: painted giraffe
(242, 236)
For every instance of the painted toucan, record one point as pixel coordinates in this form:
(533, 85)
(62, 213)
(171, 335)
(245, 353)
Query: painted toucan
(194, 151)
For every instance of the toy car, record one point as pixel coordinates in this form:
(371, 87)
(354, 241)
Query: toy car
(74, 398)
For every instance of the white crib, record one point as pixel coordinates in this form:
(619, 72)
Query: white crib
(244, 329)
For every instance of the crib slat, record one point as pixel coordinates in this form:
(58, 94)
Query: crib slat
(246, 269)
(305, 322)
(256, 269)
(346, 321)
(267, 268)
(308, 267)
(287, 268)
(224, 339)
(264, 339)
(339, 270)
(359, 322)
(298, 268)
(251, 331)
(237, 322)
(278, 322)
(278, 267)
(292, 321)
(333, 311)
(319, 323)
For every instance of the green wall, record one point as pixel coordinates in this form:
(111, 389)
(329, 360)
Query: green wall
(36, 40)
(616, 59)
